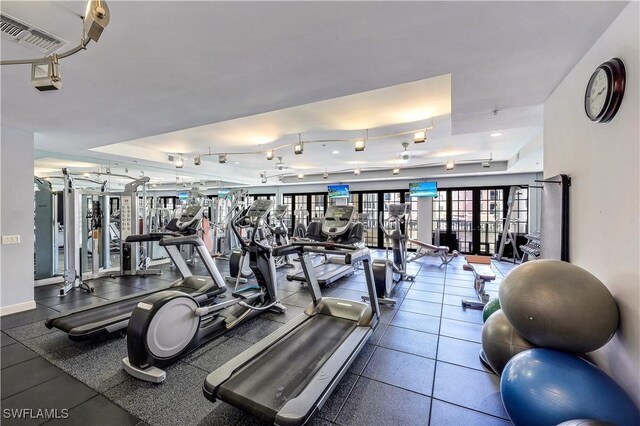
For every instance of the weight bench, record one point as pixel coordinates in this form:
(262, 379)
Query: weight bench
(430, 249)
(482, 272)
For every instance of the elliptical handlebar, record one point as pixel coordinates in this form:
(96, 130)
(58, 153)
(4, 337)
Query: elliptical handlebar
(235, 224)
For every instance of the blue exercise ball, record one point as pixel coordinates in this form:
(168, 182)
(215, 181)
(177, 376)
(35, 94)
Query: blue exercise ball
(547, 387)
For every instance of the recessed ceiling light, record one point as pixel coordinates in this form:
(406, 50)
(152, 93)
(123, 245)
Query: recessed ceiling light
(335, 152)
(496, 134)
(236, 162)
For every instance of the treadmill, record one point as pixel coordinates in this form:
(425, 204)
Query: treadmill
(103, 319)
(291, 373)
(337, 227)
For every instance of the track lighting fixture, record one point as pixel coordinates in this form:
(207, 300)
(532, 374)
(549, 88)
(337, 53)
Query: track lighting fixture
(486, 164)
(360, 145)
(300, 175)
(46, 76)
(179, 162)
(264, 179)
(357, 171)
(222, 158)
(197, 160)
(450, 165)
(420, 136)
(396, 171)
(281, 178)
(270, 154)
(299, 147)
(44, 71)
(325, 175)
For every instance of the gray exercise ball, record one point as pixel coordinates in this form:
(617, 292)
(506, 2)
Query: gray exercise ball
(500, 341)
(558, 305)
(585, 422)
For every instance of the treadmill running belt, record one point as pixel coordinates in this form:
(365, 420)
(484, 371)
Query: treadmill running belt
(264, 385)
(97, 315)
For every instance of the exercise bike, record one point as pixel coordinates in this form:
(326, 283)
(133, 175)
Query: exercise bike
(388, 274)
(169, 324)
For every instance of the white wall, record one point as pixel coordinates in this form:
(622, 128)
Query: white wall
(16, 184)
(603, 162)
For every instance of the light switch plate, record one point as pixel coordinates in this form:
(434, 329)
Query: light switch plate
(11, 239)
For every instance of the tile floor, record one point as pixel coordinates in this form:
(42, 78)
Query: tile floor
(420, 367)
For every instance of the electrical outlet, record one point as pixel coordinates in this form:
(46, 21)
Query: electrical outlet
(11, 239)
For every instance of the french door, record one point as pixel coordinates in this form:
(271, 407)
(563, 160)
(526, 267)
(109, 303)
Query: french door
(470, 220)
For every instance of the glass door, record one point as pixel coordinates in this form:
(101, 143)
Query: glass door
(462, 213)
(491, 208)
(370, 208)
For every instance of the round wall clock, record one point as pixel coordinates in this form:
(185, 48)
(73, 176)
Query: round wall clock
(604, 91)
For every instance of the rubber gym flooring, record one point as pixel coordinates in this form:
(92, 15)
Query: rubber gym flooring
(421, 366)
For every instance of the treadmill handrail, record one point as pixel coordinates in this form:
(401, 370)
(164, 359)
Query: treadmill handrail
(152, 236)
(352, 254)
(192, 240)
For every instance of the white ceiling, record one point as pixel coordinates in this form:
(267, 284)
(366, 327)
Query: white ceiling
(162, 67)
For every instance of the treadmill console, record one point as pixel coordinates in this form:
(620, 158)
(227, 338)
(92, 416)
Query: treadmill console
(189, 217)
(337, 220)
(259, 210)
(398, 210)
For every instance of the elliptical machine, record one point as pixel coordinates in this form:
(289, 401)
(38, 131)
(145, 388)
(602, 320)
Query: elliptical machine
(388, 274)
(169, 324)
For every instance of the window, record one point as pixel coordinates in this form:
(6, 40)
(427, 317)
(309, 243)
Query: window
(317, 206)
(439, 217)
(411, 221)
(287, 200)
(389, 198)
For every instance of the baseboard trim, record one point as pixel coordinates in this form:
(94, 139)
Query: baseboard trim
(18, 307)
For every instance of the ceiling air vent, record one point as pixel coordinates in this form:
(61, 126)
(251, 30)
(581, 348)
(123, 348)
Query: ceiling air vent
(29, 36)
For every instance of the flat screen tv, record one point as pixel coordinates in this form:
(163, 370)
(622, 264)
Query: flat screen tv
(183, 196)
(338, 191)
(423, 189)
(223, 192)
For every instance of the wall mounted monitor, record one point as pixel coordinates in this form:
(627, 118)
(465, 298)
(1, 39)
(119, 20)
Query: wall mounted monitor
(338, 191)
(183, 196)
(423, 189)
(222, 192)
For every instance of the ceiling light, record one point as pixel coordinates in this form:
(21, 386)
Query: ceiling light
(263, 174)
(360, 145)
(96, 18)
(86, 175)
(222, 158)
(300, 175)
(263, 180)
(197, 160)
(270, 154)
(486, 164)
(420, 136)
(236, 162)
(335, 152)
(46, 76)
(357, 171)
(450, 165)
(496, 134)
(299, 147)
(396, 171)
(325, 175)
(155, 185)
(179, 162)
(281, 178)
